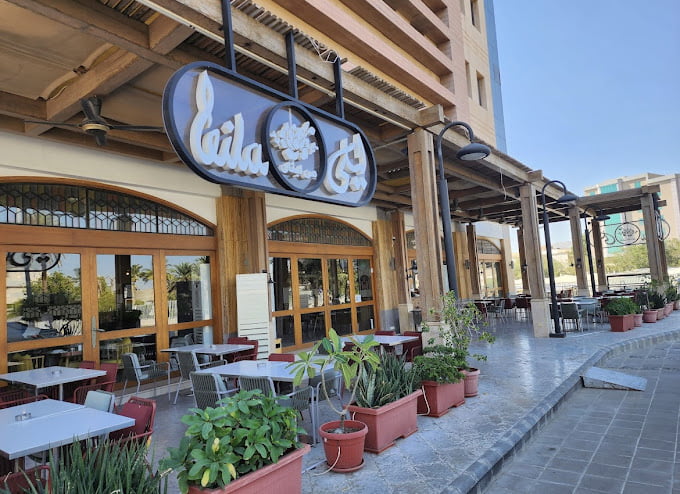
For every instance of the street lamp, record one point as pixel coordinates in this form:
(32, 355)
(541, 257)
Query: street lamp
(599, 217)
(471, 152)
(567, 197)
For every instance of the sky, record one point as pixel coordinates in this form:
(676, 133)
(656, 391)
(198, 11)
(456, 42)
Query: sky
(591, 88)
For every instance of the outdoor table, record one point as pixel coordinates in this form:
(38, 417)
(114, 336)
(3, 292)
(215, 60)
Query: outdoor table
(277, 370)
(51, 376)
(214, 350)
(52, 424)
(384, 340)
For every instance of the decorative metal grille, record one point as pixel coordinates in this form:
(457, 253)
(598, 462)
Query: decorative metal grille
(317, 231)
(411, 239)
(632, 232)
(70, 206)
(486, 247)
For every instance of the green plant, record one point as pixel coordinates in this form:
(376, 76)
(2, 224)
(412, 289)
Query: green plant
(671, 293)
(440, 364)
(642, 299)
(388, 382)
(621, 306)
(247, 431)
(461, 325)
(351, 363)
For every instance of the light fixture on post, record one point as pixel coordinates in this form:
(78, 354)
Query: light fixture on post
(471, 152)
(599, 217)
(566, 197)
(412, 274)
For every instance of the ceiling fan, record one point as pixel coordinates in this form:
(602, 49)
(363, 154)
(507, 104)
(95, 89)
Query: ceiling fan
(94, 124)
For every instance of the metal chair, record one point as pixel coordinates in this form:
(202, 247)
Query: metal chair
(100, 400)
(263, 383)
(385, 333)
(188, 363)
(144, 413)
(302, 399)
(34, 480)
(150, 371)
(570, 311)
(497, 308)
(109, 379)
(80, 393)
(281, 357)
(209, 389)
(413, 348)
(22, 401)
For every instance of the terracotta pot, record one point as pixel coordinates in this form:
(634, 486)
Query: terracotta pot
(637, 320)
(471, 382)
(621, 323)
(438, 398)
(676, 305)
(649, 316)
(283, 476)
(660, 314)
(668, 308)
(344, 451)
(389, 422)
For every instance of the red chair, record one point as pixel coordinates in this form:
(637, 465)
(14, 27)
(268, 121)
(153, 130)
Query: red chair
(144, 413)
(413, 348)
(34, 480)
(80, 392)
(237, 340)
(87, 364)
(14, 394)
(23, 401)
(385, 333)
(109, 379)
(281, 357)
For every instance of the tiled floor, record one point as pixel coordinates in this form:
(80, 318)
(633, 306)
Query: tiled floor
(520, 374)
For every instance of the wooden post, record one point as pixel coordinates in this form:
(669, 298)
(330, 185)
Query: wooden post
(474, 261)
(425, 215)
(522, 260)
(580, 261)
(654, 245)
(598, 256)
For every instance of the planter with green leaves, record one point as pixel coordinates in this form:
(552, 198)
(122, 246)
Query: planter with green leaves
(247, 444)
(387, 402)
(460, 325)
(441, 379)
(343, 439)
(621, 312)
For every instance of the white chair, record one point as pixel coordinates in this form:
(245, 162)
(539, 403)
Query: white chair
(149, 371)
(100, 400)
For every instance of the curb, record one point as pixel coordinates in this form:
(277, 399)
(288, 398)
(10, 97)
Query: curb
(477, 476)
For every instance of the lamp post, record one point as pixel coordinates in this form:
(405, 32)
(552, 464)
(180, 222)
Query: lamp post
(566, 197)
(598, 217)
(471, 152)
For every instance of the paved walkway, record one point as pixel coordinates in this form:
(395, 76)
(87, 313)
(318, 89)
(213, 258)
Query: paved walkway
(523, 383)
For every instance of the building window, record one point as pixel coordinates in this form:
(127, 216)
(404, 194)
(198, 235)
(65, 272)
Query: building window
(468, 79)
(481, 90)
(474, 12)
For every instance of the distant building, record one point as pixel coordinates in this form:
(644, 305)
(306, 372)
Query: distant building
(627, 228)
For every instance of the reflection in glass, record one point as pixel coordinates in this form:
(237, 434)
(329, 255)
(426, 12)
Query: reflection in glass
(338, 281)
(313, 326)
(143, 345)
(43, 295)
(282, 291)
(310, 283)
(365, 317)
(363, 288)
(341, 321)
(189, 296)
(285, 330)
(125, 293)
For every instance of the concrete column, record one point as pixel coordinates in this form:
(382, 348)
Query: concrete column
(522, 260)
(474, 260)
(422, 168)
(598, 256)
(580, 260)
(540, 305)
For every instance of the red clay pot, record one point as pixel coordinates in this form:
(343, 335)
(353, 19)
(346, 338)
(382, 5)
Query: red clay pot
(637, 320)
(471, 382)
(620, 324)
(668, 308)
(283, 476)
(389, 422)
(440, 397)
(649, 316)
(344, 451)
(660, 314)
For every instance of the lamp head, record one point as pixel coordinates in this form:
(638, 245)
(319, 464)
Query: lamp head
(473, 151)
(602, 216)
(567, 197)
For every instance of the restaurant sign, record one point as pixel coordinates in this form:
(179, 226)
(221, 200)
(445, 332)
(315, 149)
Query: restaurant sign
(231, 130)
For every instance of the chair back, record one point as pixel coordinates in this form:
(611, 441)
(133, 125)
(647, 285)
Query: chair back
(385, 333)
(413, 348)
(264, 384)
(569, 310)
(299, 400)
(237, 340)
(189, 339)
(34, 480)
(188, 363)
(109, 379)
(87, 364)
(80, 393)
(281, 357)
(333, 380)
(131, 370)
(207, 389)
(23, 401)
(100, 400)
(144, 413)
(14, 394)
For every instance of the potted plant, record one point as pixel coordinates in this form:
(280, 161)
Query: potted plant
(621, 312)
(438, 371)
(642, 299)
(657, 299)
(343, 439)
(671, 293)
(460, 324)
(247, 444)
(386, 401)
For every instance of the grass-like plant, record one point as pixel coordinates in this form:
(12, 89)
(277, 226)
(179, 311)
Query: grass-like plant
(388, 382)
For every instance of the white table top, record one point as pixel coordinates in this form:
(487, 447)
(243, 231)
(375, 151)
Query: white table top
(278, 371)
(382, 339)
(40, 433)
(221, 349)
(51, 376)
(37, 409)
